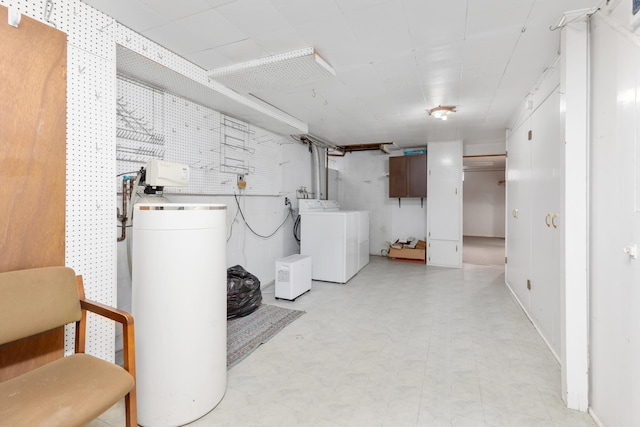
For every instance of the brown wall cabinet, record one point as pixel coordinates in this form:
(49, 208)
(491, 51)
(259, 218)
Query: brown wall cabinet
(408, 176)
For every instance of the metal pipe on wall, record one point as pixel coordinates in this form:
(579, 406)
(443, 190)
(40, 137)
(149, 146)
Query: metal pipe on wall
(317, 167)
(326, 174)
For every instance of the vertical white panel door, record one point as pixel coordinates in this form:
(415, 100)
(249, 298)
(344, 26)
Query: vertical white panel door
(444, 210)
(518, 215)
(547, 160)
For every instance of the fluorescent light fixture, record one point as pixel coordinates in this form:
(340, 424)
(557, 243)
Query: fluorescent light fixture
(274, 72)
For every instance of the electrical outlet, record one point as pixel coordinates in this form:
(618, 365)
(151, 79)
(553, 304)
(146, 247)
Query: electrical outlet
(286, 201)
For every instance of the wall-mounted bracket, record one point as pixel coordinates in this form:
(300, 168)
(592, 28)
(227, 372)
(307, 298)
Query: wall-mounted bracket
(14, 17)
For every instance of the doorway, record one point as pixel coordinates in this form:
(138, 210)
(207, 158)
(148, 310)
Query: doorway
(484, 191)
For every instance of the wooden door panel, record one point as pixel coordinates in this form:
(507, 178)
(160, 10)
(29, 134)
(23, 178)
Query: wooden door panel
(397, 176)
(32, 166)
(417, 175)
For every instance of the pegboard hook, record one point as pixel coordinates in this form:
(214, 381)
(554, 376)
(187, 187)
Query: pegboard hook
(48, 10)
(14, 16)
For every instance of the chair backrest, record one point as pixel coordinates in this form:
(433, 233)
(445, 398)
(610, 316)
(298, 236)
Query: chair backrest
(37, 300)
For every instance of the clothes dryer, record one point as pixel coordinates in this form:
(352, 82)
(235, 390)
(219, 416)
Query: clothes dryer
(333, 238)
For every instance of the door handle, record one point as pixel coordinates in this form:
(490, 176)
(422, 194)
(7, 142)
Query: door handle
(546, 220)
(553, 221)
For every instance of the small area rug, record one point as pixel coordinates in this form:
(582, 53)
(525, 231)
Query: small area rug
(245, 334)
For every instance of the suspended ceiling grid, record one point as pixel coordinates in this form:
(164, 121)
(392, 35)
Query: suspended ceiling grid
(394, 59)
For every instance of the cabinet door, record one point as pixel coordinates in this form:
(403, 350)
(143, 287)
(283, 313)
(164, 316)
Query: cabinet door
(518, 215)
(547, 163)
(444, 216)
(417, 176)
(398, 176)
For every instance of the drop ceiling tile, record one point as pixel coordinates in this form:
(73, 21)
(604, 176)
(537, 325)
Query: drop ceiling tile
(178, 39)
(331, 88)
(298, 12)
(398, 74)
(488, 50)
(209, 27)
(253, 17)
(408, 98)
(362, 81)
(242, 51)
(379, 23)
(352, 5)
(218, 3)
(499, 7)
(433, 23)
(347, 59)
(290, 101)
(379, 106)
(131, 13)
(486, 87)
(328, 34)
(386, 49)
(446, 94)
(281, 41)
(175, 10)
(442, 75)
(508, 23)
(520, 76)
(444, 55)
(208, 59)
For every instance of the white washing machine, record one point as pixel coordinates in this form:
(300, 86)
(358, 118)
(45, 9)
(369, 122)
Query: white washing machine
(337, 241)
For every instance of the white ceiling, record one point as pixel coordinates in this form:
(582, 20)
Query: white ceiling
(394, 59)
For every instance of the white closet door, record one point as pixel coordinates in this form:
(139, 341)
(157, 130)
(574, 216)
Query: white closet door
(444, 208)
(518, 215)
(547, 159)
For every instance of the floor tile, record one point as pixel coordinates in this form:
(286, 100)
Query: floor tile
(400, 344)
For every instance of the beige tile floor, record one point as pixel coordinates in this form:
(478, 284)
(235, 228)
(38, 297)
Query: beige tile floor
(401, 344)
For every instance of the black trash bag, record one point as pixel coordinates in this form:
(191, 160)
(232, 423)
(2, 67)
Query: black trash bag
(243, 292)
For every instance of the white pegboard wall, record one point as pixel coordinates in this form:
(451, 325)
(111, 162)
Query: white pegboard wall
(72, 17)
(138, 43)
(193, 137)
(216, 147)
(90, 224)
(140, 131)
(91, 88)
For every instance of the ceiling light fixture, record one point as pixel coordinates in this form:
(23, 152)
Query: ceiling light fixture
(442, 111)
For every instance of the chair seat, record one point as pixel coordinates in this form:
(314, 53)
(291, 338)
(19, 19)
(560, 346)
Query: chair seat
(49, 395)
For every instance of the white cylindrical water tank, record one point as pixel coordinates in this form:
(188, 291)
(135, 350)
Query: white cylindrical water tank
(179, 305)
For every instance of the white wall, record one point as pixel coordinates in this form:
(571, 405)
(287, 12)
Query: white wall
(484, 203)
(364, 185)
(263, 213)
(484, 149)
(614, 221)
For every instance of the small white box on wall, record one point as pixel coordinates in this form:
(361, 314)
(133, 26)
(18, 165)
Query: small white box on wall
(293, 277)
(161, 173)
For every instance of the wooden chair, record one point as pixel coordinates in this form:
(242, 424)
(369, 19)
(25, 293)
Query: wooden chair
(73, 390)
